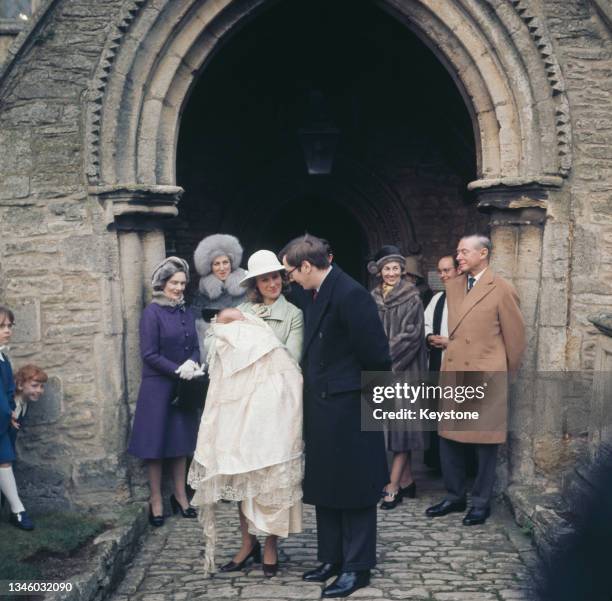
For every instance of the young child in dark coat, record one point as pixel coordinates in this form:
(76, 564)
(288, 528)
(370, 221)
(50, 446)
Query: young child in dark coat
(8, 426)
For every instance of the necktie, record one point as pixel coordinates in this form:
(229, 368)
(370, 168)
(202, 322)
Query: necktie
(471, 282)
(314, 295)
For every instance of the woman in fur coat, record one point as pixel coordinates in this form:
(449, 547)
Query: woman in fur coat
(401, 311)
(217, 260)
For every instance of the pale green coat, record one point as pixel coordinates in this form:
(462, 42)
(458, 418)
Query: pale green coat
(285, 319)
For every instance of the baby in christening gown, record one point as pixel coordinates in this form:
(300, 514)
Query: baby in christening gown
(249, 445)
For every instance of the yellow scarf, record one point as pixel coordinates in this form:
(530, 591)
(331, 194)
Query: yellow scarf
(386, 288)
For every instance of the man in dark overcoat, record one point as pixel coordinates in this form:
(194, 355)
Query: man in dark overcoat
(346, 468)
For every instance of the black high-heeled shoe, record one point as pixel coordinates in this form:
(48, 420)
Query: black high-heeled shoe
(254, 553)
(396, 499)
(408, 491)
(190, 512)
(270, 569)
(155, 520)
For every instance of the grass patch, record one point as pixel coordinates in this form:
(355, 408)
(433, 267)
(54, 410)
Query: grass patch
(28, 555)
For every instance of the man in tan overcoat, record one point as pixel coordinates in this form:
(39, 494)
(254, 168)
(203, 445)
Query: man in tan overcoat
(486, 335)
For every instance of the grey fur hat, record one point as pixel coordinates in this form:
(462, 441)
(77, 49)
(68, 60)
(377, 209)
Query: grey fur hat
(214, 246)
(166, 269)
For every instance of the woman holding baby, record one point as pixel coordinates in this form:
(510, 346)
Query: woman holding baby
(250, 440)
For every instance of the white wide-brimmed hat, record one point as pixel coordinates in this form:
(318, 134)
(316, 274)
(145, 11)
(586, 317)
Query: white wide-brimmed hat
(260, 262)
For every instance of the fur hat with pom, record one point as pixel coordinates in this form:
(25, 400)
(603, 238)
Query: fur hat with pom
(215, 246)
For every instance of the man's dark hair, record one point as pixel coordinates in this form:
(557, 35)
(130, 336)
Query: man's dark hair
(452, 257)
(307, 248)
(5, 312)
(255, 296)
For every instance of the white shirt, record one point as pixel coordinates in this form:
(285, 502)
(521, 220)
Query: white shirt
(476, 277)
(429, 317)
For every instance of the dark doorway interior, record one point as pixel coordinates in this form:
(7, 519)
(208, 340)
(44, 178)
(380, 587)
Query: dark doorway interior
(324, 218)
(405, 148)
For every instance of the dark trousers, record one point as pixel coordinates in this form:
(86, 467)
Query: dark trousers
(454, 471)
(347, 537)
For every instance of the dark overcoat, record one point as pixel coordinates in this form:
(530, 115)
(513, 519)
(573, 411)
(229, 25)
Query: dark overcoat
(7, 393)
(167, 339)
(345, 467)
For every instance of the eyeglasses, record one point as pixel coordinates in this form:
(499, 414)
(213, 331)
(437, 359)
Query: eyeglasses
(288, 272)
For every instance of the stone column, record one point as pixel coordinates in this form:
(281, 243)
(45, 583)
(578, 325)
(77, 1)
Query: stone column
(519, 222)
(600, 427)
(136, 213)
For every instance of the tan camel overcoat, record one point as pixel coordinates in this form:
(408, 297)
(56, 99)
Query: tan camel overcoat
(486, 334)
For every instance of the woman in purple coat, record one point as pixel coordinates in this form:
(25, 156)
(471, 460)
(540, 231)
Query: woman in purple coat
(169, 350)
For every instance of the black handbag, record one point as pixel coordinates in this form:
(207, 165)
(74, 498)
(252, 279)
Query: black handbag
(191, 394)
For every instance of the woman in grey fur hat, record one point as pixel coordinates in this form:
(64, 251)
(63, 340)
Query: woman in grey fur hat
(401, 311)
(217, 260)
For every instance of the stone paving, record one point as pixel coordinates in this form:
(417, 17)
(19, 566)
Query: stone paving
(419, 559)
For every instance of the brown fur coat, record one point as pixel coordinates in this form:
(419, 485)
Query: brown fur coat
(401, 313)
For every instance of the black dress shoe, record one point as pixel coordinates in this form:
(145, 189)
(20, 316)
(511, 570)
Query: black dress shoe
(322, 573)
(346, 584)
(232, 566)
(396, 499)
(476, 515)
(445, 507)
(408, 491)
(190, 512)
(155, 520)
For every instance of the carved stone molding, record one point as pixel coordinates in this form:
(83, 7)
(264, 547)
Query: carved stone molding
(97, 88)
(515, 201)
(535, 23)
(131, 206)
(157, 47)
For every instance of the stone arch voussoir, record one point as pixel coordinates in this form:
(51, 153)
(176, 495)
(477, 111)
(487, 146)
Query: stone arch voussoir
(497, 51)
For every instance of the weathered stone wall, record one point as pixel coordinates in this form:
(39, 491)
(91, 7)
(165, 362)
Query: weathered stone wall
(583, 43)
(576, 269)
(58, 265)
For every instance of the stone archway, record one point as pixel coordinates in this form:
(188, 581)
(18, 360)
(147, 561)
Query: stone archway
(501, 61)
(500, 58)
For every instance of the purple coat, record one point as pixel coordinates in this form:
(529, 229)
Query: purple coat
(167, 339)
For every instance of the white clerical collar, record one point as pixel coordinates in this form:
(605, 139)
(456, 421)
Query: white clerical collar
(326, 274)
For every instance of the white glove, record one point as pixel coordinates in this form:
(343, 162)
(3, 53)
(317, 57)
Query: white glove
(187, 370)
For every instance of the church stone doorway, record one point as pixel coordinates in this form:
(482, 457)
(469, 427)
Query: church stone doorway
(403, 151)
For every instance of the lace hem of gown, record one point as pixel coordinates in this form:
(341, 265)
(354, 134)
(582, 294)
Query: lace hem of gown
(277, 486)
